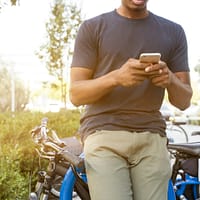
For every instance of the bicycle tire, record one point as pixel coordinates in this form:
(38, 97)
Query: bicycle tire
(176, 134)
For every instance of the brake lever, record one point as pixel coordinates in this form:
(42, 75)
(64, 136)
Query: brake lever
(49, 157)
(56, 139)
(39, 133)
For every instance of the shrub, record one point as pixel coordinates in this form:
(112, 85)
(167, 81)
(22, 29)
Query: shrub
(13, 184)
(19, 160)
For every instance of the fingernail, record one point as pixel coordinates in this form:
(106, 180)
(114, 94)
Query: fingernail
(146, 69)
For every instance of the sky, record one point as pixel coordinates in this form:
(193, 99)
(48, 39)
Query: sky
(23, 29)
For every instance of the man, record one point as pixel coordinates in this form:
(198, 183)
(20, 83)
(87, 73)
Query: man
(122, 129)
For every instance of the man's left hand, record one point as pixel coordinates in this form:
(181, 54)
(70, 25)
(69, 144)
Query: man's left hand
(159, 74)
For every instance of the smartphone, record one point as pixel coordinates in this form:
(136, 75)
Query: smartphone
(150, 57)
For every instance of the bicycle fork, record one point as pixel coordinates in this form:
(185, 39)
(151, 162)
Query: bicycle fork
(39, 186)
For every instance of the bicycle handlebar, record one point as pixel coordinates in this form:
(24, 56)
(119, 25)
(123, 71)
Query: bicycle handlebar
(67, 155)
(40, 136)
(39, 133)
(43, 130)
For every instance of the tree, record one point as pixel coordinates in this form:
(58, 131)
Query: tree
(14, 2)
(61, 30)
(20, 93)
(5, 3)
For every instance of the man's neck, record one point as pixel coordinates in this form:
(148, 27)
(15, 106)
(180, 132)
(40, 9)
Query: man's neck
(132, 14)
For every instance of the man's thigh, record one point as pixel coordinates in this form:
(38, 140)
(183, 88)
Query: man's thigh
(151, 175)
(111, 156)
(107, 171)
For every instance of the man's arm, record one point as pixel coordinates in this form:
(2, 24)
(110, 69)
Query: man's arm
(177, 84)
(180, 90)
(86, 90)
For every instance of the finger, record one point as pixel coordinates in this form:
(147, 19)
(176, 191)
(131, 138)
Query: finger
(160, 81)
(135, 63)
(160, 71)
(162, 64)
(152, 68)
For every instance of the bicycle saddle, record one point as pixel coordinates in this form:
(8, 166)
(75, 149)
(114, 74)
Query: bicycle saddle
(192, 149)
(73, 145)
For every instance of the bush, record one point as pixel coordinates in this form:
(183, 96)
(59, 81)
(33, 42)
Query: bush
(13, 183)
(19, 163)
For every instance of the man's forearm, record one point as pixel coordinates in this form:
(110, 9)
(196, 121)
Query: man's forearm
(180, 92)
(84, 92)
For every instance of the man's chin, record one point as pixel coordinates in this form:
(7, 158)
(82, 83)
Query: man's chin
(139, 3)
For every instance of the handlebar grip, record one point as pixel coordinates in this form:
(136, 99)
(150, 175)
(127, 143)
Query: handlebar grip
(73, 159)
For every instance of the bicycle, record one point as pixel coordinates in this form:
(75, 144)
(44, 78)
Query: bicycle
(177, 186)
(57, 152)
(175, 131)
(75, 181)
(182, 176)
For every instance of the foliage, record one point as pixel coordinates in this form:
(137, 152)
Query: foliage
(4, 3)
(14, 2)
(13, 183)
(197, 68)
(61, 30)
(19, 160)
(12, 89)
(196, 94)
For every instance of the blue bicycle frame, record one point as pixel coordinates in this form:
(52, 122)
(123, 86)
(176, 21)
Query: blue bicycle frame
(67, 187)
(171, 194)
(181, 184)
(68, 183)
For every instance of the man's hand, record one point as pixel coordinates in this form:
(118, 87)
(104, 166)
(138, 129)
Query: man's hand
(159, 74)
(131, 73)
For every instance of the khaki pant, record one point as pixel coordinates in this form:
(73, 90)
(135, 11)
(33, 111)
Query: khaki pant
(124, 165)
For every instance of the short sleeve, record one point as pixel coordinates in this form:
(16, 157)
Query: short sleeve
(85, 49)
(179, 56)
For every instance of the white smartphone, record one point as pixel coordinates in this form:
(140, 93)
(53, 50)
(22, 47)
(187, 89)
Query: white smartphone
(150, 57)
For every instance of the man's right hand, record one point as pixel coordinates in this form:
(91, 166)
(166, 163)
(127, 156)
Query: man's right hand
(131, 73)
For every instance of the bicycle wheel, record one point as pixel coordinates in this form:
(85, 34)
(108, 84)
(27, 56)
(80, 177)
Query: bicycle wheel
(176, 133)
(52, 196)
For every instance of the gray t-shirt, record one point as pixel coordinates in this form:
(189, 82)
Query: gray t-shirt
(106, 42)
